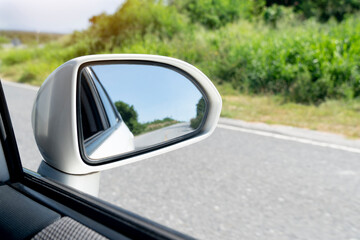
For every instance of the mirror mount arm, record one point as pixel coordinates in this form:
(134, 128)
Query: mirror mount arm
(88, 183)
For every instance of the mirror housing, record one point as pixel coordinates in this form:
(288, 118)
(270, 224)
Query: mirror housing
(55, 114)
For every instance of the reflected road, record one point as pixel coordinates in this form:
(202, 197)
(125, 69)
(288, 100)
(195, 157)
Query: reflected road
(161, 135)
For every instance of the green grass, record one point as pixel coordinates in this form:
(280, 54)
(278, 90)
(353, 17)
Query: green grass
(335, 116)
(28, 37)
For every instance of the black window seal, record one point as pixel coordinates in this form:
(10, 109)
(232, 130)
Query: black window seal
(117, 114)
(96, 96)
(8, 141)
(90, 109)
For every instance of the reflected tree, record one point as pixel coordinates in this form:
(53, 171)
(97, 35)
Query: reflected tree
(130, 117)
(200, 111)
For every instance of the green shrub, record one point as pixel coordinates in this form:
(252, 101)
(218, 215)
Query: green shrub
(214, 14)
(4, 39)
(17, 56)
(36, 72)
(134, 20)
(272, 15)
(322, 9)
(307, 63)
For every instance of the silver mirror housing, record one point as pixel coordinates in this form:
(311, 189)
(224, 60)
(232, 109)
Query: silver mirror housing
(55, 114)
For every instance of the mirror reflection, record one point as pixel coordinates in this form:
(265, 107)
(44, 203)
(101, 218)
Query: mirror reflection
(130, 107)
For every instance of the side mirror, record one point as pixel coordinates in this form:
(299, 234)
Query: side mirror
(102, 111)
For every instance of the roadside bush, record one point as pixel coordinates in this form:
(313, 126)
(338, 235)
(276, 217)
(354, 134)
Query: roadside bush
(273, 14)
(36, 72)
(4, 39)
(323, 10)
(214, 14)
(134, 20)
(307, 63)
(16, 56)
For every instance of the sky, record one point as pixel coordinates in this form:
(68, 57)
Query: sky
(54, 16)
(155, 92)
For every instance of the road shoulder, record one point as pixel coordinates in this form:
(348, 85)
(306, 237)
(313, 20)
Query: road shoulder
(289, 131)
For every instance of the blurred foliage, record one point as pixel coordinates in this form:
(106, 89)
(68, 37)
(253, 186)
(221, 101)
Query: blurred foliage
(4, 39)
(215, 13)
(273, 14)
(322, 9)
(305, 51)
(134, 20)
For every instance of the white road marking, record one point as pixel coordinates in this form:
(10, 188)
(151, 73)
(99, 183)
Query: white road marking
(19, 85)
(289, 138)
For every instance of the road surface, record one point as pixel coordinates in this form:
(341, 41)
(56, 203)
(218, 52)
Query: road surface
(162, 135)
(237, 184)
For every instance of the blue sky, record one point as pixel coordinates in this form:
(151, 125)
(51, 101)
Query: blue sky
(155, 92)
(58, 16)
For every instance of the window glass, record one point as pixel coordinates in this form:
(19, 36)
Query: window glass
(90, 117)
(108, 106)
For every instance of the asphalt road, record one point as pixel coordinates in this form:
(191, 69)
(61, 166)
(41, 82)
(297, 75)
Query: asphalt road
(237, 184)
(162, 134)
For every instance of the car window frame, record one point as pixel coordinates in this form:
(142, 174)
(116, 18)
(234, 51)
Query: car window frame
(107, 219)
(99, 106)
(98, 138)
(94, 110)
(107, 99)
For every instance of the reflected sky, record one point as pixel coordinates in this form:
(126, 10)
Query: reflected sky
(156, 92)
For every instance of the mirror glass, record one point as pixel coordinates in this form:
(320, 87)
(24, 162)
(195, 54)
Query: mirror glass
(130, 107)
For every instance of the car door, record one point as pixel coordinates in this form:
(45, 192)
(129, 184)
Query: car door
(35, 207)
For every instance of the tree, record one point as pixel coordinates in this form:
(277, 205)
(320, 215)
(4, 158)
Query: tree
(214, 14)
(200, 111)
(130, 117)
